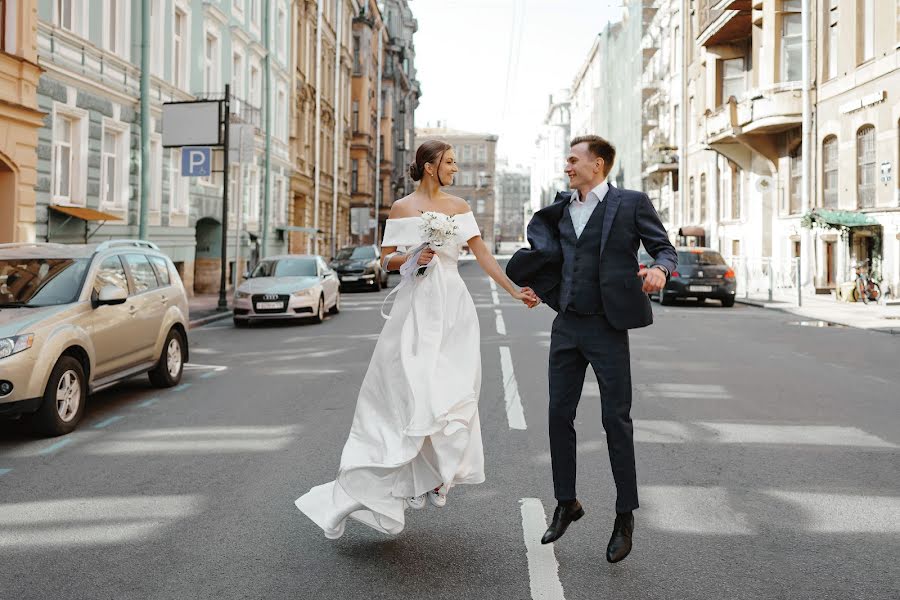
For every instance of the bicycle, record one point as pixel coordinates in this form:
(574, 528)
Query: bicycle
(865, 288)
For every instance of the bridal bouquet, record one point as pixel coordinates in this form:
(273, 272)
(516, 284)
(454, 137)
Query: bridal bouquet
(437, 228)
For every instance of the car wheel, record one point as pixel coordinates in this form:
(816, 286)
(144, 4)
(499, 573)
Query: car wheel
(241, 323)
(377, 282)
(320, 311)
(64, 398)
(337, 305)
(168, 370)
(728, 302)
(665, 300)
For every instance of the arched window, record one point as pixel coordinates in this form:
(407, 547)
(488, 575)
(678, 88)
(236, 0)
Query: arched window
(865, 167)
(796, 195)
(830, 172)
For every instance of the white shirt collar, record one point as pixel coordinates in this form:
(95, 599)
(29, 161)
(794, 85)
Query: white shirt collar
(599, 192)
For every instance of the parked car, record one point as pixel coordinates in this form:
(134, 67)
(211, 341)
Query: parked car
(291, 286)
(75, 319)
(360, 266)
(702, 273)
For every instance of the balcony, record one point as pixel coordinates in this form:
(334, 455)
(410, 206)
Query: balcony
(661, 161)
(724, 21)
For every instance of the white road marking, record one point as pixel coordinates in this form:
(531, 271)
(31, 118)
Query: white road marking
(843, 513)
(495, 298)
(196, 367)
(493, 284)
(543, 569)
(515, 414)
(694, 510)
(501, 324)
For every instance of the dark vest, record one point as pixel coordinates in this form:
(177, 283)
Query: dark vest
(580, 285)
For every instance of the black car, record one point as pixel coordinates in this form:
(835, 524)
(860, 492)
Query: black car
(360, 267)
(702, 273)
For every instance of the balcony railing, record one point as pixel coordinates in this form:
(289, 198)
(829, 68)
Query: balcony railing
(767, 110)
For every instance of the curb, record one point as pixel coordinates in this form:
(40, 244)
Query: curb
(784, 309)
(210, 319)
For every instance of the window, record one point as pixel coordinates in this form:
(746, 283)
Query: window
(237, 75)
(178, 185)
(142, 274)
(466, 152)
(735, 247)
(115, 27)
(690, 200)
(676, 120)
(480, 206)
(732, 79)
(830, 174)
(703, 197)
(831, 39)
(114, 165)
(162, 270)
(791, 41)
(155, 174)
(255, 12)
(692, 129)
(865, 31)
(255, 87)
(357, 64)
(482, 154)
(67, 178)
(65, 14)
(865, 161)
(281, 32)
(676, 42)
(736, 190)
(354, 176)
(110, 272)
(281, 115)
(157, 37)
(795, 204)
(8, 26)
(180, 61)
(355, 122)
(211, 61)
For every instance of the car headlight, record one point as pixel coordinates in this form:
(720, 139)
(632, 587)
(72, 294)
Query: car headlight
(241, 295)
(15, 344)
(306, 292)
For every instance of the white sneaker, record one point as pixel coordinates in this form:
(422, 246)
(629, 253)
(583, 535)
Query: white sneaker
(437, 498)
(416, 502)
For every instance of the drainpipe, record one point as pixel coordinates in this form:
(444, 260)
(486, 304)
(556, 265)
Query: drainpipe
(145, 119)
(318, 144)
(380, 109)
(338, 116)
(806, 138)
(685, 119)
(267, 198)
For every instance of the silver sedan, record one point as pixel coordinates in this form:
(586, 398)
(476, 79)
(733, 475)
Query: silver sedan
(291, 286)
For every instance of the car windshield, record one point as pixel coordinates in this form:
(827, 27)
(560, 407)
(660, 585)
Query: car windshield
(41, 281)
(700, 257)
(359, 252)
(286, 267)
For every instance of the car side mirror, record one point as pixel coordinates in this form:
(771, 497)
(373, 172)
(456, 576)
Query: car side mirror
(112, 294)
(247, 275)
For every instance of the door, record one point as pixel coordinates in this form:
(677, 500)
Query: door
(829, 264)
(148, 312)
(113, 351)
(330, 283)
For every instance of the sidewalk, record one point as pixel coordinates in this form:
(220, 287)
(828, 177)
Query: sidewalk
(873, 317)
(203, 309)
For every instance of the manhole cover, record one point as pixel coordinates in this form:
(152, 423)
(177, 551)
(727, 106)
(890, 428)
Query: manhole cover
(816, 324)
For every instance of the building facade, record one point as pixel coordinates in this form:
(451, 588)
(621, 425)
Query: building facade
(89, 151)
(20, 120)
(513, 195)
(476, 158)
(551, 149)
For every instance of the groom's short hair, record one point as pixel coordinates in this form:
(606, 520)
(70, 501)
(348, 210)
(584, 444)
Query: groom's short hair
(599, 147)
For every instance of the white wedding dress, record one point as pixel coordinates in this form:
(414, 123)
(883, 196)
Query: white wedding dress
(416, 424)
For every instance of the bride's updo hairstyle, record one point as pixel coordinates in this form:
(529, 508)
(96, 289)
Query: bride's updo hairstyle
(431, 151)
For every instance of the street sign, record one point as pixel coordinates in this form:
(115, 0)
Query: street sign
(243, 144)
(196, 162)
(192, 123)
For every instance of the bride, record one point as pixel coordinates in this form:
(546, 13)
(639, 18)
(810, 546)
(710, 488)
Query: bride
(416, 433)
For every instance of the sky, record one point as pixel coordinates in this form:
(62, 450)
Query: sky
(490, 65)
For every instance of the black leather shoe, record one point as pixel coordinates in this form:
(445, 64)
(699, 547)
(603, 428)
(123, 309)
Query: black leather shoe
(620, 542)
(563, 516)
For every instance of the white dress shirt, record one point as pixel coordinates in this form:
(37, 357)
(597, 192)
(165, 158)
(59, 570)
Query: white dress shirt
(581, 210)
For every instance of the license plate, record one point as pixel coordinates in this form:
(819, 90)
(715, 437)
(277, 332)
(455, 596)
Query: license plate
(700, 288)
(269, 305)
(349, 278)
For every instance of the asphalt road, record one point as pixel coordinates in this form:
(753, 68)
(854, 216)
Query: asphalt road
(767, 454)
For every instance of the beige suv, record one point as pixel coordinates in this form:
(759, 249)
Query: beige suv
(75, 319)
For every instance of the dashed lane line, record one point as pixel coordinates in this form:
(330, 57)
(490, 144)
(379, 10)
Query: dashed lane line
(515, 414)
(543, 569)
(107, 422)
(54, 447)
(501, 324)
(4, 472)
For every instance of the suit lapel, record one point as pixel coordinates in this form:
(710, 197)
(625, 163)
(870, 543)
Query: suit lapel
(612, 197)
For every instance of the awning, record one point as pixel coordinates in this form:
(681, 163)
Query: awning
(692, 231)
(838, 218)
(299, 229)
(85, 214)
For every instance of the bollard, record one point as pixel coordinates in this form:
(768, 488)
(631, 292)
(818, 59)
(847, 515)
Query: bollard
(771, 279)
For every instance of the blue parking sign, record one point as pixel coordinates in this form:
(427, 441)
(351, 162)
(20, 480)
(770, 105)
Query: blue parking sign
(196, 161)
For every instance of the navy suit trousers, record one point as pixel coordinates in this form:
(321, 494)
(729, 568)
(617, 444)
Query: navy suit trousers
(575, 342)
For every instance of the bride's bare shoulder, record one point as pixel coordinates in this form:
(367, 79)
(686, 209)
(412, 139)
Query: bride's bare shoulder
(401, 208)
(459, 205)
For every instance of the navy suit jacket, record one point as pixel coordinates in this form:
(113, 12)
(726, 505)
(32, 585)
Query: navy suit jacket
(629, 221)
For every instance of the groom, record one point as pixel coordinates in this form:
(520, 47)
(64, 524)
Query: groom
(583, 264)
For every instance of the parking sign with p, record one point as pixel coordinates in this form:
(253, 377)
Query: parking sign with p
(196, 161)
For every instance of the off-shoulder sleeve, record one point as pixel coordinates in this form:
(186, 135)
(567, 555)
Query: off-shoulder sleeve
(401, 233)
(468, 227)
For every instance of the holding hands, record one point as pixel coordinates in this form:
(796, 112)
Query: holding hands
(527, 296)
(426, 256)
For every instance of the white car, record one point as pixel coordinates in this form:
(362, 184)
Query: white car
(291, 286)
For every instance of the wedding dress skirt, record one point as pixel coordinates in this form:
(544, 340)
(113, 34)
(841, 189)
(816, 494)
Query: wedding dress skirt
(416, 424)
